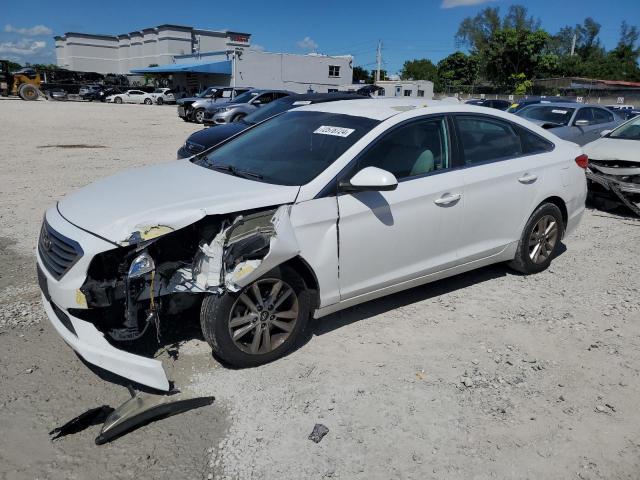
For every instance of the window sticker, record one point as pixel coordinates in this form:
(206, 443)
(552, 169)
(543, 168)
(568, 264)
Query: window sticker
(559, 111)
(335, 131)
(302, 102)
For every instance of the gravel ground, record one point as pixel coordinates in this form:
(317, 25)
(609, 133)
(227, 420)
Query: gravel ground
(485, 375)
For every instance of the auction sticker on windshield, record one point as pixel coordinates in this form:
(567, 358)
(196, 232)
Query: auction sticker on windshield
(559, 111)
(335, 131)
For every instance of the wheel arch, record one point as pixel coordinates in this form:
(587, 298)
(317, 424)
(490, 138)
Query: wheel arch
(302, 267)
(558, 202)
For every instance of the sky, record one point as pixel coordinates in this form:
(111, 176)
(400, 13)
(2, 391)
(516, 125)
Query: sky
(410, 30)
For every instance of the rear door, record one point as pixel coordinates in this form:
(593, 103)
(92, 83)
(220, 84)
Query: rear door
(504, 165)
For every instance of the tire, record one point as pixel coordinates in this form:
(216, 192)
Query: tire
(117, 100)
(216, 315)
(238, 117)
(28, 92)
(159, 101)
(148, 101)
(536, 249)
(198, 115)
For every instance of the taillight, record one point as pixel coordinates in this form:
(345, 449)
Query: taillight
(582, 161)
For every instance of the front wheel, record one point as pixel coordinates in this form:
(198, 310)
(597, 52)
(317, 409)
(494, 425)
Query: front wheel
(117, 100)
(540, 241)
(238, 117)
(198, 115)
(260, 323)
(159, 101)
(147, 101)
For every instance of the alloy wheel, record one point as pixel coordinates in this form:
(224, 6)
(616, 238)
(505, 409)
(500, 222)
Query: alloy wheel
(543, 239)
(263, 316)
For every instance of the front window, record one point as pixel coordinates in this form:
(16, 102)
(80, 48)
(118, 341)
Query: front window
(548, 114)
(334, 71)
(628, 131)
(270, 110)
(291, 149)
(245, 97)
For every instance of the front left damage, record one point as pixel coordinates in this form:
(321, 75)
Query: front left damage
(615, 181)
(160, 271)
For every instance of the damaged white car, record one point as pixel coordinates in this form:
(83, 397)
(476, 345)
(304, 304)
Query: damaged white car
(313, 211)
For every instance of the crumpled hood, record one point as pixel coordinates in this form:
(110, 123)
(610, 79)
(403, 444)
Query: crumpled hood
(613, 149)
(169, 196)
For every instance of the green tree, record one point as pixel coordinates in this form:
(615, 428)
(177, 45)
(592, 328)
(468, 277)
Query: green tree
(360, 74)
(457, 69)
(422, 69)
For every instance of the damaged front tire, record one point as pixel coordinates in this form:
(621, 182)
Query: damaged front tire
(260, 323)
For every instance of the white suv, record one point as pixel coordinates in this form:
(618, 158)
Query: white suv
(313, 211)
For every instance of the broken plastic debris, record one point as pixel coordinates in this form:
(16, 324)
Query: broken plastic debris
(147, 232)
(318, 433)
(93, 416)
(141, 409)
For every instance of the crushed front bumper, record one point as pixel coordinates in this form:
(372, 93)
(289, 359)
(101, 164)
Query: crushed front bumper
(58, 296)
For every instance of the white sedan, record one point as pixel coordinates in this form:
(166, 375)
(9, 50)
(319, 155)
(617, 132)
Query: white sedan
(131, 96)
(313, 211)
(163, 95)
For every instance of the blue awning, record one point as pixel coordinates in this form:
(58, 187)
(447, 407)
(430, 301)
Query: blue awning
(223, 68)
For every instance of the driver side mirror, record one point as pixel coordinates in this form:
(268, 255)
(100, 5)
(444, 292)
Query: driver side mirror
(370, 179)
(604, 133)
(257, 103)
(582, 123)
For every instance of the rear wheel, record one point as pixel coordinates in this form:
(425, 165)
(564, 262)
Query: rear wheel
(117, 100)
(28, 92)
(540, 241)
(159, 101)
(198, 115)
(261, 322)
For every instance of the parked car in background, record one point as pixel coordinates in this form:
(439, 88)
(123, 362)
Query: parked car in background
(163, 95)
(625, 111)
(131, 96)
(192, 109)
(242, 105)
(613, 176)
(88, 90)
(520, 104)
(206, 138)
(497, 104)
(248, 231)
(577, 122)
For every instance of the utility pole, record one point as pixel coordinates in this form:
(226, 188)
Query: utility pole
(573, 44)
(378, 60)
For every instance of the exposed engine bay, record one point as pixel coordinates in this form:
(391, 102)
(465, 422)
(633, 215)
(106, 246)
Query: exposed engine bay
(617, 180)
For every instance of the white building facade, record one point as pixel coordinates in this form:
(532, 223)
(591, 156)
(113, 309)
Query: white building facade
(405, 88)
(193, 59)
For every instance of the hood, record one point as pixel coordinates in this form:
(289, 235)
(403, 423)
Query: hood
(162, 198)
(208, 137)
(613, 149)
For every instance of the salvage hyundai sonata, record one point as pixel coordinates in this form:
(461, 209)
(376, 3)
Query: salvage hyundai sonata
(313, 211)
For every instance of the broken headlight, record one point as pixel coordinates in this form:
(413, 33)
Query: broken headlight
(141, 265)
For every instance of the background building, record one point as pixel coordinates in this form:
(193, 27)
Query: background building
(405, 88)
(191, 59)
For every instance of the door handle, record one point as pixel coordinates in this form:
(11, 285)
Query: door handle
(448, 199)
(528, 178)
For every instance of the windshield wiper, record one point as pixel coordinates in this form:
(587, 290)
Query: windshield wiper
(237, 172)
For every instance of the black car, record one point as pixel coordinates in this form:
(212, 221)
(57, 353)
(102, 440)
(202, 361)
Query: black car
(498, 104)
(208, 137)
(520, 104)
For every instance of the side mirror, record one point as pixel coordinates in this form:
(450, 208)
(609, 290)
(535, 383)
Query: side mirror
(257, 103)
(581, 123)
(370, 179)
(604, 133)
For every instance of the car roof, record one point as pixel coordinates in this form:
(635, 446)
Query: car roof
(377, 108)
(558, 104)
(319, 97)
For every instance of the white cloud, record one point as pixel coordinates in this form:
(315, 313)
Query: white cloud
(307, 43)
(35, 31)
(257, 47)
(462, 3)
(22, 47)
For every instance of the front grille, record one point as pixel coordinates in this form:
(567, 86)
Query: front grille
(57, 252)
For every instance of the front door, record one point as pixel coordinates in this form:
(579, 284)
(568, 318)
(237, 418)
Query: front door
(389, 237)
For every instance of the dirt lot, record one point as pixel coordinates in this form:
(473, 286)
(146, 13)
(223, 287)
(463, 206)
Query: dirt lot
(485, 375)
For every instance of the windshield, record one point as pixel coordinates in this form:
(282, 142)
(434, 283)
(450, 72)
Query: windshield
(628, 131)
(270, 110)
(158, 90)
(207, 92)
(245, 97)
(290, 149)
(548, 114)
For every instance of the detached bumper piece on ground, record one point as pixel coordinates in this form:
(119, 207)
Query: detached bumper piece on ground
(617, 180)
(137, 411)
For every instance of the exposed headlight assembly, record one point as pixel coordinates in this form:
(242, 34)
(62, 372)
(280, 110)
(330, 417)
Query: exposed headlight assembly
(141, 265)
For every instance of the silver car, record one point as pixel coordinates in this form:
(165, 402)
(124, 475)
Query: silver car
(243, 105)
(575, 122)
